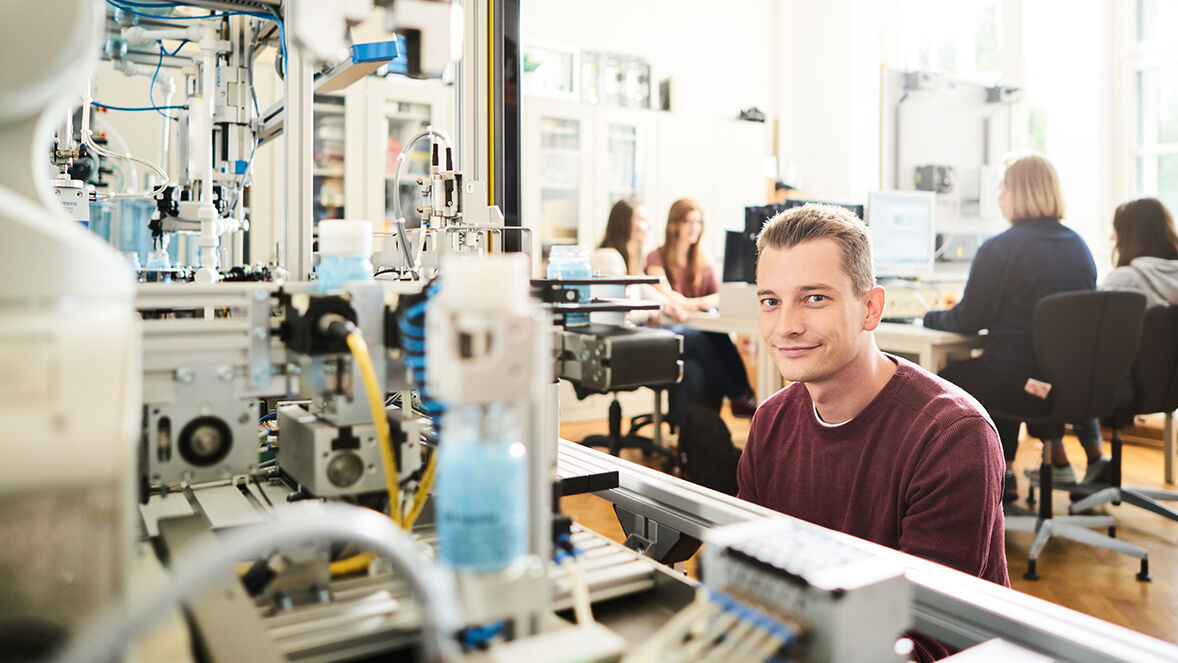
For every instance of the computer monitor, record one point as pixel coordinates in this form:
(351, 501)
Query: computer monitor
(903, 237)
(740, 248)
(857, 210)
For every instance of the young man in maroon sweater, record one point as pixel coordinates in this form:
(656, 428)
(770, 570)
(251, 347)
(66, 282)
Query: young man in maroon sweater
(861, 441)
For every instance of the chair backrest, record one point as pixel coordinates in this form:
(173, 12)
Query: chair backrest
(1085, 342)
(1155, 370)
(706, 453)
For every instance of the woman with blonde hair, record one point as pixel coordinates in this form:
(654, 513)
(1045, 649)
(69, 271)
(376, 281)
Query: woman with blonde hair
(711, 362)
(1037, 256)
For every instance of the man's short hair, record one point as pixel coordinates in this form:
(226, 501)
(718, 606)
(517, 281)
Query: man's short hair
(812, 222)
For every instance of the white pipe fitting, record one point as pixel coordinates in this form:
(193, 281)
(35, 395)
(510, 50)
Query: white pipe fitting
(139, 35)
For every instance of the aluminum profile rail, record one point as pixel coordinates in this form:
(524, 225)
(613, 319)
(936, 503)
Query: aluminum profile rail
(958, 608)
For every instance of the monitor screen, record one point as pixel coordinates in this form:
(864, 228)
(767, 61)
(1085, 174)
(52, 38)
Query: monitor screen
(902, 232)
(857, 210)
(740, 248)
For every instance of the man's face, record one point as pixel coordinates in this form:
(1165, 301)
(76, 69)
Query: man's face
(812, 322)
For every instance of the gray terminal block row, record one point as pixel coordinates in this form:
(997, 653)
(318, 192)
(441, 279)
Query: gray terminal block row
(848, 603)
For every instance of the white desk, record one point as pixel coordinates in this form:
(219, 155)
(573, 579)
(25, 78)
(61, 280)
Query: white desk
(932, 348)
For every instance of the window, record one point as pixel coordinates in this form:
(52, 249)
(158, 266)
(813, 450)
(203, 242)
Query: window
(1155, 65)
(957, 39)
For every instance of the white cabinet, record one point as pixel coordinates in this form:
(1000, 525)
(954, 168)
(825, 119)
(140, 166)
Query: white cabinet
(578, 160)
(383, 115)
(329, 134)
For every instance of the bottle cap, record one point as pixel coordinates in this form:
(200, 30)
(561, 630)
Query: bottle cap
(568, 252)
(338, 237)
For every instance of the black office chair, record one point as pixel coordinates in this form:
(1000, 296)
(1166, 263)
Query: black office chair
(1085, 342)
(615, 441)
(1152, 387)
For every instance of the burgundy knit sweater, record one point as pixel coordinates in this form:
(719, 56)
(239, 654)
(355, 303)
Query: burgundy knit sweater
(920, 470)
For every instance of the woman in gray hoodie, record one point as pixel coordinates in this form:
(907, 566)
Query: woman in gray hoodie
(1146, 252)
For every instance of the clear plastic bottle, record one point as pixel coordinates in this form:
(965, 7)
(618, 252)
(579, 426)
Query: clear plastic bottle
(481, 491)
(569, 261)
(345, 253)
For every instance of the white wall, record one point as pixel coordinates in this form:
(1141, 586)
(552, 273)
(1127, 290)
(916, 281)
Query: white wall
(1069, 77)
(722, 58)
(718, 54)
(832, 64)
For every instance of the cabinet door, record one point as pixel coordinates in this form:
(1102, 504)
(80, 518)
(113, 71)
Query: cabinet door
(558, 165)
(398, 110)
(328, 132)
(623, 139)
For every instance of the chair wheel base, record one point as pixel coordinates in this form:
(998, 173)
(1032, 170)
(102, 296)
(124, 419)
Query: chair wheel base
(1143, 574)
(1031, 573)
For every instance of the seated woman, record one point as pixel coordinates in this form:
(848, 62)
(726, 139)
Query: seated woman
(1146, 259)
(1036, 257)
(691, 282)
(1146, 252)
(620, 254)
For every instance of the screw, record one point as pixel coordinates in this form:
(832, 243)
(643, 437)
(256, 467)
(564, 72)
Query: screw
(184, 375)
(225, 373)
(260, 334)
(259, 296)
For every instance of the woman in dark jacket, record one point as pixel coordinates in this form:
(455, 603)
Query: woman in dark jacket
(1036, 257)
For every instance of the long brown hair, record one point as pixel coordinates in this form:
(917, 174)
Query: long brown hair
(695, 259)
(618, 230)
(1144, 228)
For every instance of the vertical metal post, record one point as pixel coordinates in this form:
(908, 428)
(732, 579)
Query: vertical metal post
(299, 149)
(507, 111)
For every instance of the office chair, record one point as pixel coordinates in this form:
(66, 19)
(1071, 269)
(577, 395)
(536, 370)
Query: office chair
(1085, 342)
(1152, 387)
(615, 441)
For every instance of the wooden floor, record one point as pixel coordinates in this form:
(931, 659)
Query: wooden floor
(1094, 581)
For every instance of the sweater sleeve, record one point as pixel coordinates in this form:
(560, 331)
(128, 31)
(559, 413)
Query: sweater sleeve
(982, 298)
(709, 283)
(654, 259)
(1121, 278)
(608, 262)
(953, 513)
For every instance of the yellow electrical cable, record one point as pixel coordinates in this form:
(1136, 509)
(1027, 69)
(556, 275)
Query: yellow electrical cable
(363, 359)
(423, 488)
(351, 564)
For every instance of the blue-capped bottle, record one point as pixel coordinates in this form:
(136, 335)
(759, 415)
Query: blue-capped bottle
(569, 261)
(345, 253)
(481, 491)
